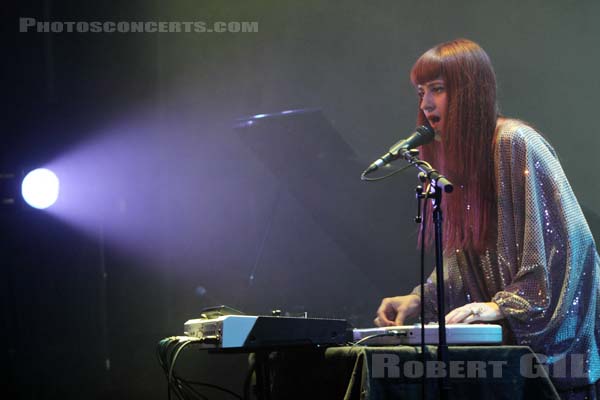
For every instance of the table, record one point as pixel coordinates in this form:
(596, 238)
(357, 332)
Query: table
(349, 373)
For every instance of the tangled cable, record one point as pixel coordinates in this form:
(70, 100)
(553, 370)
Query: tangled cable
(167, 352)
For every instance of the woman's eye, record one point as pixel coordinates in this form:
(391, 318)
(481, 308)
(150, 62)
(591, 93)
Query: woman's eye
(438, 89)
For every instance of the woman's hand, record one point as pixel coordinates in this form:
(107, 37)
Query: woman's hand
(474, 312)
(395, 310)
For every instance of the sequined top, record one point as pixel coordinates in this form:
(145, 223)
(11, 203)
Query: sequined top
(544, 272)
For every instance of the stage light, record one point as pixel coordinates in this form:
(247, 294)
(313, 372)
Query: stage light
(40, 188)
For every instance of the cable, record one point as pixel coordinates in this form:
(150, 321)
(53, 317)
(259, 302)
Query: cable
(388, 333)
(168, 351)
(162, 348)
(160, 356)
(162, 352)
(177, 352)
(364, 178)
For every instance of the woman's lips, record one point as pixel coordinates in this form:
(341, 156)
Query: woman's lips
(433, 120)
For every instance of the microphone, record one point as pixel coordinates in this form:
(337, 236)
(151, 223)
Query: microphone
(421, 136)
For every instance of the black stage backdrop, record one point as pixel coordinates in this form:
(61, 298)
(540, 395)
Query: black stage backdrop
(180, 212)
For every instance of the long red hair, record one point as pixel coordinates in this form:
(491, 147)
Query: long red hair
(465, 153)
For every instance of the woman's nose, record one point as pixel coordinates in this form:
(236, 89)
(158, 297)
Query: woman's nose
(427, 103)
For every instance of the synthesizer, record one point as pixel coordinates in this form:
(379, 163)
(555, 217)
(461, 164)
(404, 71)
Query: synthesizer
(456, 334)
(255, 332)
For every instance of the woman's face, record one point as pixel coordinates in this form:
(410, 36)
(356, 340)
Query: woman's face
(433, 102)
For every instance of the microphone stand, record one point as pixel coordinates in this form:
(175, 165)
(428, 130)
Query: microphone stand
(438, 185)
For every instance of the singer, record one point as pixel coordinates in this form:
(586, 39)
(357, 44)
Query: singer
(517, 248)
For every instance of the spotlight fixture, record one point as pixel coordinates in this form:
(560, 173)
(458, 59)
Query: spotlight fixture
(40, 188)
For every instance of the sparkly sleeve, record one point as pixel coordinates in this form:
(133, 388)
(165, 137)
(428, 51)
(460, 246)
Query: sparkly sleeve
(454, 291)
(429, 289)
(546, 253)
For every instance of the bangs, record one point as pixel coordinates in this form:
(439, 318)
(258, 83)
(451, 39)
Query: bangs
(427, 68)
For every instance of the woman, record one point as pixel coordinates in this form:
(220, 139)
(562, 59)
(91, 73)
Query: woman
(517, 248)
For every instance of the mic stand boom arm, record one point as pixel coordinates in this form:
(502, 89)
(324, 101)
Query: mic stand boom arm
(437, 180)
(438, 185)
